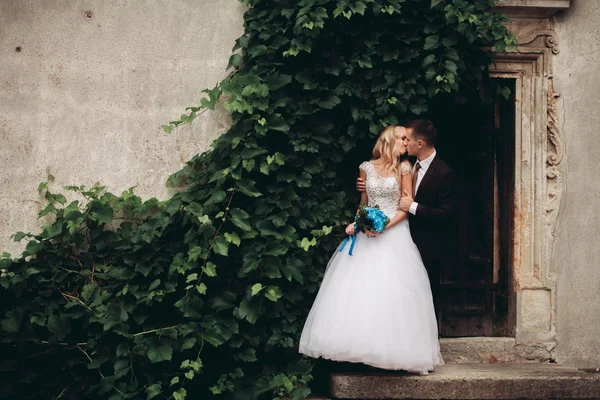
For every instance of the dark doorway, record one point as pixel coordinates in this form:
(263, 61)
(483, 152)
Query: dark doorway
(476, 138)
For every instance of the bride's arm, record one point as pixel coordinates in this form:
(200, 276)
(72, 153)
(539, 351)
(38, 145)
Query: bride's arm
(364, 201)
(405, 185)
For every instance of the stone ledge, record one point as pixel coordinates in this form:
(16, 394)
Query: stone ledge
(473, 350)
(531, 8)
(471, 381)
(556, 4)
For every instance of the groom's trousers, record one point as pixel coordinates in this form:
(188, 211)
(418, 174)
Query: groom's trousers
(434, 268)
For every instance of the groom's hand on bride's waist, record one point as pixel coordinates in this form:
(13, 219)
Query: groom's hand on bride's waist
(360, 185)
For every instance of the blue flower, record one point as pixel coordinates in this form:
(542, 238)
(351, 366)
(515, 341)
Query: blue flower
(371, 218)
(377, 218)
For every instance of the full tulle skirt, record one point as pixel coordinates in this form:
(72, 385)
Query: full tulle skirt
(375, 307)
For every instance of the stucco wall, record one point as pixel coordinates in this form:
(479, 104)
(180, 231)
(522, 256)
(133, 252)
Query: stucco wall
(577, 250)
(85, 96)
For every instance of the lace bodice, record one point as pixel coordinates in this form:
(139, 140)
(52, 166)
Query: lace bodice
(383, 192)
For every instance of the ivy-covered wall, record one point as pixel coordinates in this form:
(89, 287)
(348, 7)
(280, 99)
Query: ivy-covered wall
(204, 295)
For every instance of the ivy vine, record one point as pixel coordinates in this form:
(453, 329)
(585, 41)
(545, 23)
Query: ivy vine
(204, 295)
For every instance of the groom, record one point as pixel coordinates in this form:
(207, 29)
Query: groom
(432, 210)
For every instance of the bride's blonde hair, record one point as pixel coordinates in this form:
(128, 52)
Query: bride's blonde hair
(386, 149)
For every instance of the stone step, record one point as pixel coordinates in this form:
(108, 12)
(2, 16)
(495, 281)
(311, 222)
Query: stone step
(472, 350)
(471, 381)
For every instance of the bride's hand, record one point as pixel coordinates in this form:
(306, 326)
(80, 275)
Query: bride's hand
(370, 233)
(350, 229)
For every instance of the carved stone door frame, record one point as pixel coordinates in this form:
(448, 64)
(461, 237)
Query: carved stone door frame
(538, 153)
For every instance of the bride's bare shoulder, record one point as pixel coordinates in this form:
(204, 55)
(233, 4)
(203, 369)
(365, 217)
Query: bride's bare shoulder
(405, 167)
(365, 165)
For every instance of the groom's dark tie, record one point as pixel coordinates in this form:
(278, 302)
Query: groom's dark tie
(415, 176)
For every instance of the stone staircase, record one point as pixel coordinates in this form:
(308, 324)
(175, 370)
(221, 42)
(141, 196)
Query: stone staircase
(471, 381)
(476, 368)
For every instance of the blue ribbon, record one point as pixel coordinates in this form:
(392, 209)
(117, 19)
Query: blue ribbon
(353, 237)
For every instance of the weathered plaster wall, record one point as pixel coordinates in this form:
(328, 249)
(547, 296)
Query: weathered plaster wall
(85, 96)
(577, 248)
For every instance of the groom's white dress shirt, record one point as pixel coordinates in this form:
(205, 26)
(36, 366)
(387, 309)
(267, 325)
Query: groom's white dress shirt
(420, 174)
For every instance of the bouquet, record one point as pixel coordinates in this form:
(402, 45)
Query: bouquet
(371, 218)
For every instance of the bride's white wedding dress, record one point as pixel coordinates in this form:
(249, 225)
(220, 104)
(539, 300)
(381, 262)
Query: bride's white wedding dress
(375, 307)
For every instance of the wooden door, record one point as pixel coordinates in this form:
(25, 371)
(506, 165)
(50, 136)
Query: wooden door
(476, 138)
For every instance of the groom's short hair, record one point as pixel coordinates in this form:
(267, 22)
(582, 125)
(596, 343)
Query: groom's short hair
(424, 130)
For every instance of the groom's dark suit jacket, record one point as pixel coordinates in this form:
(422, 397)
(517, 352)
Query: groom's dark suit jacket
(433, 228)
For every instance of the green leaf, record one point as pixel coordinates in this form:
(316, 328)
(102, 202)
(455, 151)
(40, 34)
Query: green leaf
(33, 247)
(19, 236)
(246, 186)
(232, 238)
(52, 231)
(72, 207)
(59, 325)
(216, 197)
(12, 323)
(276, 249)
(153, 390)
(210, 269)
(358, 7)
(249, 311)
(42, 186)
(431, 42)
(161, 353)
(418, 109)
(451, 67)
(154, 285)
(287, 12)
(330, 102)
(365, 61)
(221, 246)
(103, 214)
(201, 288)
(435, 3)
(180, 394)
(47, 210)
(278, 124)
(194, 253)
(292, 272)
(273, 293)
(248, 355)
(235, 60)
(249, 165)
(256, 288)
(277, 81)
(252, 153)
(306, 244)
(427, 61)
(264, 168)
(188, 343)
(240, 218)
(56, 198)
(291, 52)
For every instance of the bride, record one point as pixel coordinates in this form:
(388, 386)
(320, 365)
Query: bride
(375, 307)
